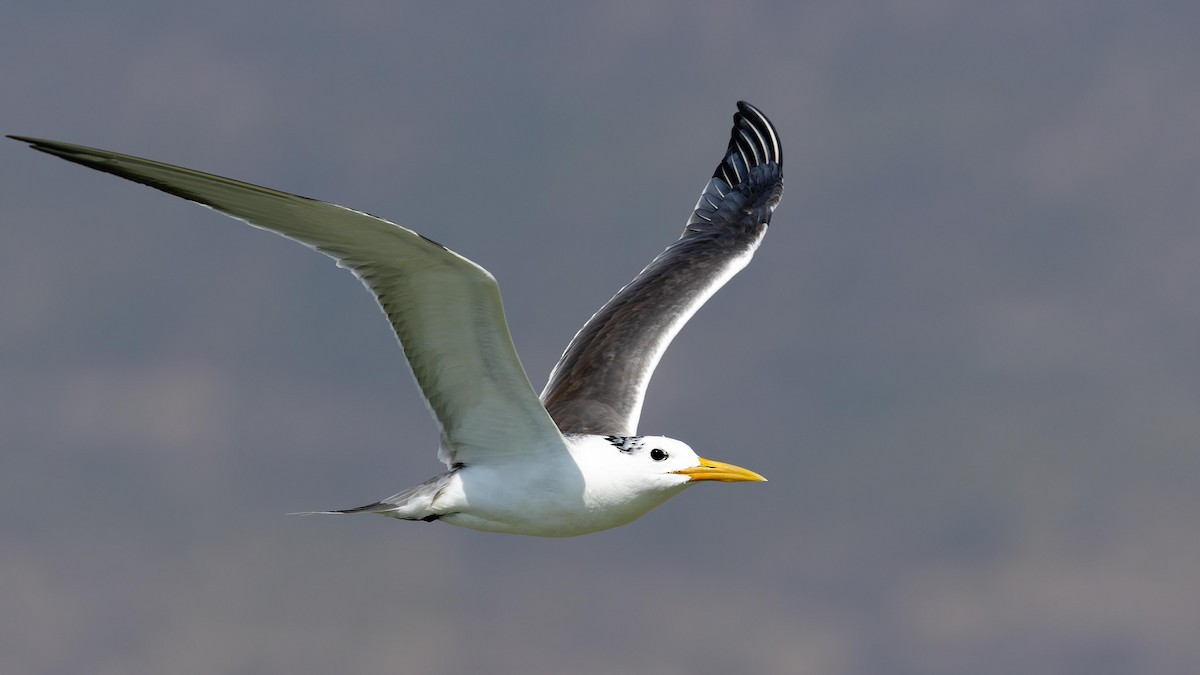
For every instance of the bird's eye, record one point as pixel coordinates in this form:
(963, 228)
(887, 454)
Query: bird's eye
(658, 455)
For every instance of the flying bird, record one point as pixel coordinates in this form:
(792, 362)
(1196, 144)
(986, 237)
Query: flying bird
(569, 462)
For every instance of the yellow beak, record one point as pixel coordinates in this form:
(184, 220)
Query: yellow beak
(726, 473)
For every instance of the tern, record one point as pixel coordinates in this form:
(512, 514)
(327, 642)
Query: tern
(569, 462)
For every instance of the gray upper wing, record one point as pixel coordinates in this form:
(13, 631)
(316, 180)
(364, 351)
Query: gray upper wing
(445, 310)
(600, 382)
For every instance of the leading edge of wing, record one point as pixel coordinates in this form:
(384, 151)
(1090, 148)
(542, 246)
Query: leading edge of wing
(599, 384)
(445, 309)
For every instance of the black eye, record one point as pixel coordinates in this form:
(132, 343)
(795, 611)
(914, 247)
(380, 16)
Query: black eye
(658, 455)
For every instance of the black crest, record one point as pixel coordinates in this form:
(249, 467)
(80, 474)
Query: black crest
(625, 444)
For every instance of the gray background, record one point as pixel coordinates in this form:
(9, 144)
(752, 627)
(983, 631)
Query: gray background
(965, 355)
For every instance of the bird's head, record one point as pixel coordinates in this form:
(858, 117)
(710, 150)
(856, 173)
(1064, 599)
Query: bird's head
(666, 462)
(626, 476)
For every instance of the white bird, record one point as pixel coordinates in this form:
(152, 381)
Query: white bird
(571, 462)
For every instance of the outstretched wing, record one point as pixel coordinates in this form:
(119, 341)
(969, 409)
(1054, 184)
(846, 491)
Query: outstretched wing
(600, 381)
(445, 309)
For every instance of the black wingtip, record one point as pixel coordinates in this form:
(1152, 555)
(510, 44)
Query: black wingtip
(66, 151)
(34, 143)
(753, 142)
(748, 183)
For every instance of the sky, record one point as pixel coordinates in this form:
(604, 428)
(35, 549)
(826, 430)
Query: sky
(965, 355)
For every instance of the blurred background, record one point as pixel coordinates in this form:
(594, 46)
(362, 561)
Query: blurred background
(965, 355)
